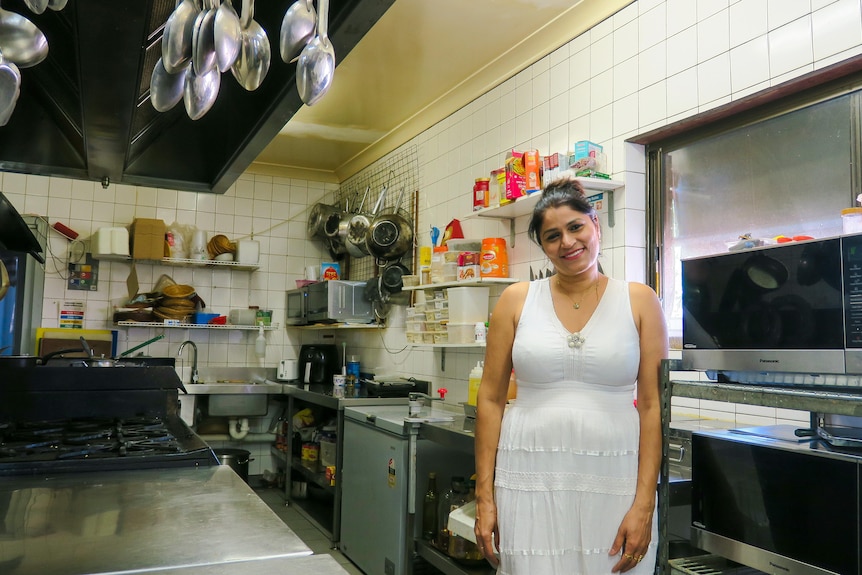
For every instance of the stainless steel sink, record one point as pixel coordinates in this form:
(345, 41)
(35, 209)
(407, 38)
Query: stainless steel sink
(235, 381)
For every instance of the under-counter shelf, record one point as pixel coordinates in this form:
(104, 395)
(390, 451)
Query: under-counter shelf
(480, 282)
(127, 323)
(448, 565)
(181, 262)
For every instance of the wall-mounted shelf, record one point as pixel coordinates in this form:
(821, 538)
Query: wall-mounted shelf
(180, 262)
(524, 205)
(194, 325)
(481, 282)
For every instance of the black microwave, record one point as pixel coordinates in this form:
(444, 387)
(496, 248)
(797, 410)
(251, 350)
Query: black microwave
(793, 307)
(329, 301)
(789, 506)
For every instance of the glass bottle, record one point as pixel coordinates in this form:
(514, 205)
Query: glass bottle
(457, 544)
(471, 550)
(443, 515)
(429, 509)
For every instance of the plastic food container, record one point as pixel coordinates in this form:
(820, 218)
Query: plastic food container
(461, 332)
(200, 317)
(851, 220)
(468, 304)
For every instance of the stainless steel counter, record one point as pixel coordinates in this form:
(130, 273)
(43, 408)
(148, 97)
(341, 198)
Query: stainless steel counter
(317, 564)
(457, 434)
(145, 520)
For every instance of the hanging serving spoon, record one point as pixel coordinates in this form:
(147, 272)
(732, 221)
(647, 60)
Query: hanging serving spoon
(200, 91)
(10, 88)
(57, 5)
(36, 6)
(203, 39)
(255, 53)
(177, 36)
(316, 62)
(21, 41)
(227, 36)
(166, 89)
(297, 29)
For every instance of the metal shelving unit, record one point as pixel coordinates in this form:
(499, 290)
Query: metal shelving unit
(181, 262)
(194, 325)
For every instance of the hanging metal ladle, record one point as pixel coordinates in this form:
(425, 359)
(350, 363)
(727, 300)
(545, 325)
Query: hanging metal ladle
(316, 62)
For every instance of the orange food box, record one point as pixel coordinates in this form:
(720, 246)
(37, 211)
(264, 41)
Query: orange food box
(532, 171)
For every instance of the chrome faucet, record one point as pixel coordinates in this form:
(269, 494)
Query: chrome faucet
(195, 377)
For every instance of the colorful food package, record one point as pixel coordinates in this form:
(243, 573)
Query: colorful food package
(330, 271)
(516, 180)
(532, 171)
(497, 189)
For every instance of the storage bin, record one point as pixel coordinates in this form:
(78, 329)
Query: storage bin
(327, 450)
(461, 332)
(468, 304)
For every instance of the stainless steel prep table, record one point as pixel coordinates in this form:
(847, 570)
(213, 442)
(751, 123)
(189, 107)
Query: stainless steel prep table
(136, 520)
(316, 564)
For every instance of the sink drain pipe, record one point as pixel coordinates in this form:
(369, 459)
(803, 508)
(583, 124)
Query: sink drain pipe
(237, 427)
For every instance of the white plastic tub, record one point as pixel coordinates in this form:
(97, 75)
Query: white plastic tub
(468, 304)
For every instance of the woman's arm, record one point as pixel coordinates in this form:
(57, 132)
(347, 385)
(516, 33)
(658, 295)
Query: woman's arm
(491, 403)
(634, 535)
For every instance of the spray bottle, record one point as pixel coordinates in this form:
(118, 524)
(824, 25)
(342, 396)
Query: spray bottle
(260, 342)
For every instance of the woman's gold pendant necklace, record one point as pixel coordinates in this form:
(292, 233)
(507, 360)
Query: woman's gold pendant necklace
(577, 304)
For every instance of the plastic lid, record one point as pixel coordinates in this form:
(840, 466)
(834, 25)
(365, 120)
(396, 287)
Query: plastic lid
(438, 249)
(851, 211)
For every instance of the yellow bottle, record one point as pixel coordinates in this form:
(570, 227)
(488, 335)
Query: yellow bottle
(473, 383)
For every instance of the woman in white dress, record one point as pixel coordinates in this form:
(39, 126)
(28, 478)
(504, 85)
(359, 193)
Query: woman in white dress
(566, 476)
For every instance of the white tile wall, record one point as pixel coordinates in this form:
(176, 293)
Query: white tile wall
(655, 62)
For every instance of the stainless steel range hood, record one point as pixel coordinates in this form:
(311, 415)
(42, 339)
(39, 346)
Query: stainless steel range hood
(85, 112)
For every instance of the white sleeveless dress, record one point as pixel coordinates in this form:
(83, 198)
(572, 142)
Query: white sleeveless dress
(567, 460)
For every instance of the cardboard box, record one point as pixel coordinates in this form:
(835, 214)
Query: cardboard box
(586, 149)
(516, 178)
(330, 271)
(533, 171)
(147, 239)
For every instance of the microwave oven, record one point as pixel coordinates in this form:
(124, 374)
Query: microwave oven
(329, 301)
(793, 307)
(777, 505)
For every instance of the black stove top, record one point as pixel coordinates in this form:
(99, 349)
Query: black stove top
(127, 421)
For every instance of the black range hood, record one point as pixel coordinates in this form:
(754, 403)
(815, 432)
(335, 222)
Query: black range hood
(15, 234)
(85, 113)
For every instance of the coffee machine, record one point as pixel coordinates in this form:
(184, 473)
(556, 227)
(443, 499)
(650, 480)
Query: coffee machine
(318, 363)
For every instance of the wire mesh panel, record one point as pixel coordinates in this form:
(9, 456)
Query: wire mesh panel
(398, 175)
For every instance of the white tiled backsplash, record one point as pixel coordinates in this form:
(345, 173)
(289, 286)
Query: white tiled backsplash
(653, 63)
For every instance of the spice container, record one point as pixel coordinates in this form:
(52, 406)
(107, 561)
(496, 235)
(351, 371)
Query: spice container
(438, 261)
(481, 193)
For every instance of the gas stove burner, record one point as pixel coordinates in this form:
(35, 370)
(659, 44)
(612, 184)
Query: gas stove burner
(97, 438)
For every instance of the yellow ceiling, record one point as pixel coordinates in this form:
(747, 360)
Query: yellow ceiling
(423, 60)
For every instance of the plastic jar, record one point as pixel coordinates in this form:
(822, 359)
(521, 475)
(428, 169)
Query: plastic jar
(851, 220)
(438, 261)
(494, 258)
(481, 193)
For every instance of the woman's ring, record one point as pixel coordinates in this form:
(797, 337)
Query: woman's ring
(628, 556)
(639, 558)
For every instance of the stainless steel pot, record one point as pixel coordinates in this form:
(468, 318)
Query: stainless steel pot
(391, 276)
(390, 235)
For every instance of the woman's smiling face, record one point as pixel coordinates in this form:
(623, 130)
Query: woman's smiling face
(570, 238)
